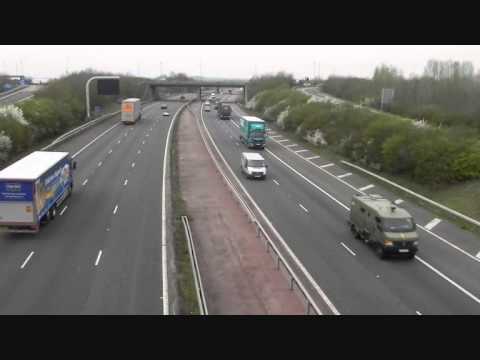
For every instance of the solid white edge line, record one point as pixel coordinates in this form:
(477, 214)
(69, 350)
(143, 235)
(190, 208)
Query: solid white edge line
(98, 258)
(306, 273)
(445, 277)
(348, 209)
(348, 249)
(166, 309)
(91, 142)
(459, 249)
(27, 259)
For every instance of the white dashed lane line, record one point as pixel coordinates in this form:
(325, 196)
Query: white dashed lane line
(115, 210)
(418, 312)
(301, 151)
(98, 258)
(276, 182)
(27, 260)
(312, 158)
(348, 249)
(99, 164)
(126, 182)
(303, 208)
(344, 175)
(63, 210)
(85, 182)
(398, 201)
(284, 140)
(133, 165)
(110, 151)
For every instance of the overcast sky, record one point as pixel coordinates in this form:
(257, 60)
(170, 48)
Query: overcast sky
(231, 61)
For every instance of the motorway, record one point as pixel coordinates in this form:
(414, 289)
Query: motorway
(307, 199)
(103, 253)
(19, 96)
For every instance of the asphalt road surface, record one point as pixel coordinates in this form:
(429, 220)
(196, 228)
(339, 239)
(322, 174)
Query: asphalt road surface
(309, 207)
(102, 254)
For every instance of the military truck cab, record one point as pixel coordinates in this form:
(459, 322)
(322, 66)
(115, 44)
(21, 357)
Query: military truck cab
(389, 229)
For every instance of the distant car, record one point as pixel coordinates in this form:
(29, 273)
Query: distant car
(166, 113)
(164, 106)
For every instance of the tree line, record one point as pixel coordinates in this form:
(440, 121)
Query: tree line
(445, 95)
(53, 110)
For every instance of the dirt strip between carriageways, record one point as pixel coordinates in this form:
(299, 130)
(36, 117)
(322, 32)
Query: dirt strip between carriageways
(239, 276)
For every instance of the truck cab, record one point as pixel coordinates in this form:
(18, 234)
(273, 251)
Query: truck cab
(389, 229)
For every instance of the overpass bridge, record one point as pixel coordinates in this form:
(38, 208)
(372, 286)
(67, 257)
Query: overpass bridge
(152, 86)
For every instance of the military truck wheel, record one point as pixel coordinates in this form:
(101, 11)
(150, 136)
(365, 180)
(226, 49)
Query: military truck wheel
(380, 252)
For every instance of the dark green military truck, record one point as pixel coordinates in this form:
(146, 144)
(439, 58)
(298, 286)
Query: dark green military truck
(388, 228)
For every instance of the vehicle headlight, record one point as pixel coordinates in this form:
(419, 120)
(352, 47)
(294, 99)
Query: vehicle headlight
(388, 242)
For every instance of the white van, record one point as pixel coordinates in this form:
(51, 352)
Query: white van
(253, 166)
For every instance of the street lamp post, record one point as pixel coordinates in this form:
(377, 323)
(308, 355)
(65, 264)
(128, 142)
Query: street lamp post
(87, 89)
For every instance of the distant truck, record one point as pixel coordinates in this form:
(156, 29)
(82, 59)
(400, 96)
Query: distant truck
(131, 111)
(207, 107)
(252, 132)
(32, 189)
(380, 223)
(224, 112)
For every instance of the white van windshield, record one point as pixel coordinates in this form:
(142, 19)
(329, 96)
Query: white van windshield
(256, 163)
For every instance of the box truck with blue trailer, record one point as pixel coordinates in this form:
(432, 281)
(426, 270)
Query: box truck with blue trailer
(32, 189)
(252, 132)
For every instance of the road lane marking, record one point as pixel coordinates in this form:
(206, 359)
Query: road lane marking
(432, 224)
(280, 141)
(368, 187)
(303, 208)
(139, 151)
(91, 142)
(143, 142)
(398, 201)
(126, 133)
(326, 166)
(312, 158)
(292, 145)
(26, 260)
(344, 175)
(85, 182)
(98, 258)
(301, 151)
(99, 164)
(276, 182)
(276, 136)
(478, 255)
(147, 135)
(418, 312)
(63, 210)
(445, 277)
(348, 249)
(115, 210)
(234, 123)
(126, 182)
(133, 165)
(119, 141)
(110, 151)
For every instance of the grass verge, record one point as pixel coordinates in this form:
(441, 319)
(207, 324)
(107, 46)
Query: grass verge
(188, 303)
(464, 198)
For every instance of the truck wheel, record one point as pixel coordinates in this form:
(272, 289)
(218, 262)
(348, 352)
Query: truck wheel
(411, 256)
(380, 252)
(53, 212)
